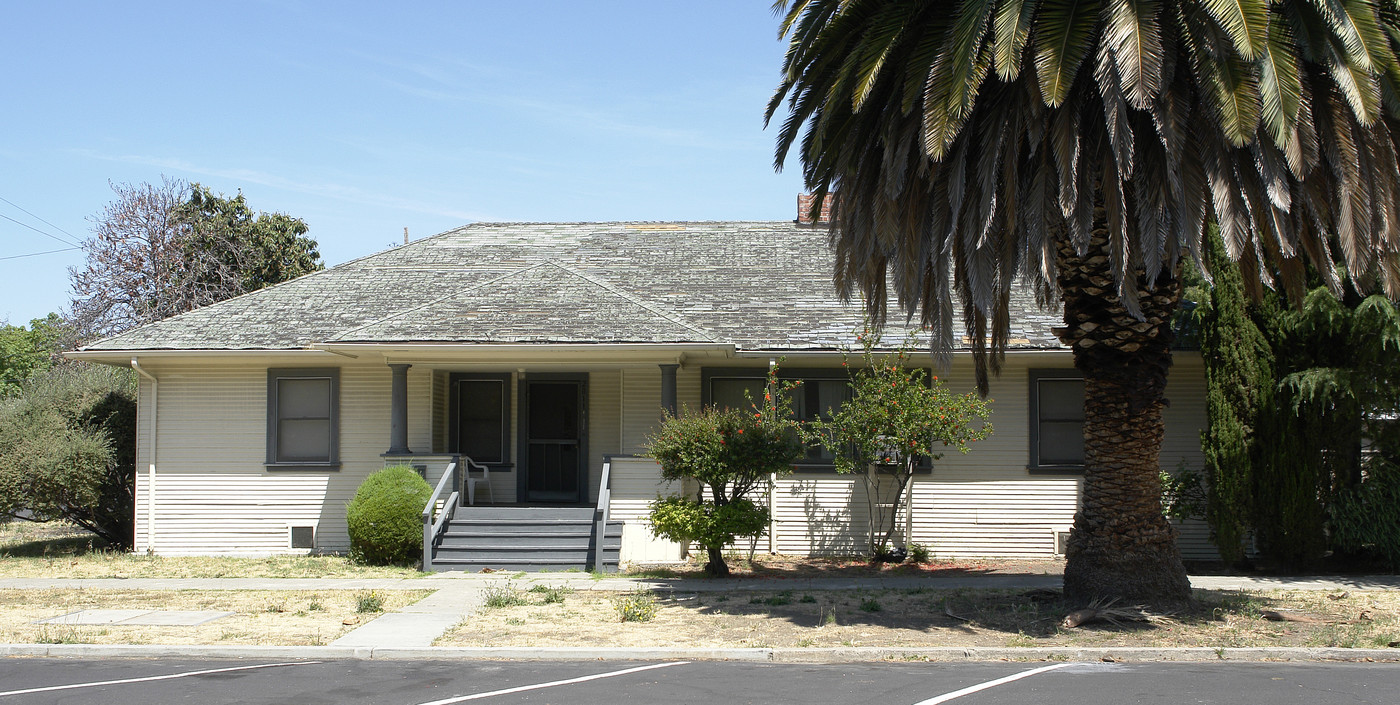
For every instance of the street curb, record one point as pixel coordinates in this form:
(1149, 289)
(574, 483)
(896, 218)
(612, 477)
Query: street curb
(770, 655)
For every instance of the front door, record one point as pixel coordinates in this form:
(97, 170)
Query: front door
(553, 451)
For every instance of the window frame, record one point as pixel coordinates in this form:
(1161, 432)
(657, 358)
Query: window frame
(1033, 464)
(275, 375)
(788, 375)
(454, 427)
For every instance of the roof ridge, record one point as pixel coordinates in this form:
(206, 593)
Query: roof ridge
(618, 291)
(341, 335)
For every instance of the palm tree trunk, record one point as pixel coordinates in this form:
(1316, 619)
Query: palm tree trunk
(1121, 545)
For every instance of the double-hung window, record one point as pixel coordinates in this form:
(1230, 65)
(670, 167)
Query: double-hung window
(1057, 420)
(303, 407)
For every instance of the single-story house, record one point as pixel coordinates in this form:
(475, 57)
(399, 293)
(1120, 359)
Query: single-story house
(546, 352)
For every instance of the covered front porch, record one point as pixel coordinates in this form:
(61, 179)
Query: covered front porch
(533, 424)
(521, 459)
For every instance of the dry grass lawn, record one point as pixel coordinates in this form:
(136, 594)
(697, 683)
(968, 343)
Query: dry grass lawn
(263, 617)
(59, 550)
(921, 618)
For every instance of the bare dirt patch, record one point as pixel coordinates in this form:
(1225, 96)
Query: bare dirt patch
(265, 617)
(927, 618)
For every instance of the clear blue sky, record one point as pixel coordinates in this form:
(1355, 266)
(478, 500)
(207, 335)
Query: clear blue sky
(366, 118)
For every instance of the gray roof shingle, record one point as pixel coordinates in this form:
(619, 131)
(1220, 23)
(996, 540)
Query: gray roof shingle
(757, 285)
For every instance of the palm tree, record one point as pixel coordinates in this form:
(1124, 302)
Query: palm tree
(1083, 144)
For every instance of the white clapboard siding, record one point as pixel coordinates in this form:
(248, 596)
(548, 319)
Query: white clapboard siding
(215, 496)
(604, 424)
(635, 483)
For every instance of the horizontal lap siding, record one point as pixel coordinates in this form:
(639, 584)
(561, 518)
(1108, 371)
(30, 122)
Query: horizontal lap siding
(635, 483)
(604, 420)
(1181, 449)
(954, 518)
(214, 495)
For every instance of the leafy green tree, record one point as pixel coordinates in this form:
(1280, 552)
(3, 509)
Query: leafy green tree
(1083, 145)
(28, 351)
(732, 453)
(162, 250)
(897, 416)
(262, 249)
(68, 450)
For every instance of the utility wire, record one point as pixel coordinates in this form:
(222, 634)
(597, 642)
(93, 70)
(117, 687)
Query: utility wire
(41, 220)
(36, 254)
(41, 232)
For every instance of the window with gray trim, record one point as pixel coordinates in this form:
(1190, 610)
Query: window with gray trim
(303, 424)
(820, 391)
(1057, 419)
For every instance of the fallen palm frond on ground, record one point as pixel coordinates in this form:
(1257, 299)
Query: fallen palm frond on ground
(1104, 611)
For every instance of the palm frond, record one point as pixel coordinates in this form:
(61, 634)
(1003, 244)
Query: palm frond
(1064, 29)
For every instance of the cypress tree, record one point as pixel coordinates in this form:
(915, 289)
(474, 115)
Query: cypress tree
(1239, 367)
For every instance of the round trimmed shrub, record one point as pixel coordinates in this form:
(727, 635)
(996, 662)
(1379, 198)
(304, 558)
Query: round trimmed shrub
(385, 517)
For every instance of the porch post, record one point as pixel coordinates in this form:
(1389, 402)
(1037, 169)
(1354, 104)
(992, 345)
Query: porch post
(668, 388)
(398, 411)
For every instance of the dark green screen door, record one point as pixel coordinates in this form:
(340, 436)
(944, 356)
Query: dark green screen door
(554, 467)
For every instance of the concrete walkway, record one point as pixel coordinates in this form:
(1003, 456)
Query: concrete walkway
(457, 596)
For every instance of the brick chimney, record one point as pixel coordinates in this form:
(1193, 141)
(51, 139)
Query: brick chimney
(804, 208)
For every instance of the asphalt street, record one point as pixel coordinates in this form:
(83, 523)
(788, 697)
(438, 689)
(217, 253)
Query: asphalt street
(155, 682)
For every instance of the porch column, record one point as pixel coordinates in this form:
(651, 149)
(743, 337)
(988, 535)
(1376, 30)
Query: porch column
(398, 411)
(668, 388)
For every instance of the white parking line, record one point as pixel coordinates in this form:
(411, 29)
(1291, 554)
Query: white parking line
(551, 684)
(991, 684)
(147, 679)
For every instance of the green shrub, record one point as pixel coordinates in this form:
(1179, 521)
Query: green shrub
(733, 454)
(385, 517)
(1365, 520)
(68, 449)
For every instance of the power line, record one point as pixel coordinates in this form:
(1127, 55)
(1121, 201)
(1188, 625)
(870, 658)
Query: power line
(41, 220)
(36, 254)
(41, 232)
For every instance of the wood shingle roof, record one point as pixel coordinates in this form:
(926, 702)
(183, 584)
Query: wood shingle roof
(756, 285)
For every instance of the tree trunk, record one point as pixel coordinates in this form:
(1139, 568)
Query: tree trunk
(716, 567)
(1121, 545)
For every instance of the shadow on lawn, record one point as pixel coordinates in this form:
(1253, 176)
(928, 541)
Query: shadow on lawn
(790, 567)
(20, 539)
(1029, 614)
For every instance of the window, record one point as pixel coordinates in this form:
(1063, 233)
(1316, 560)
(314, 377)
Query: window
(303, 417)
(1057, 420)
(821, 391)
(479, 417)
